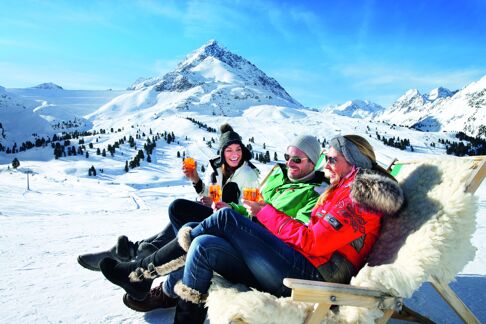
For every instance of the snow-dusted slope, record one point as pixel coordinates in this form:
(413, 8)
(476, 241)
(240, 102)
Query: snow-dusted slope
(356, 109)
(211, 81)
(18, 120)
(442, 110)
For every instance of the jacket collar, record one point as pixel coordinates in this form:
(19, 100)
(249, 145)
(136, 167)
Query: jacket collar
(377, 192)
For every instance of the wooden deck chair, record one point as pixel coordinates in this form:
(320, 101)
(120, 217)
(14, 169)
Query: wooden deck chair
(429, 242)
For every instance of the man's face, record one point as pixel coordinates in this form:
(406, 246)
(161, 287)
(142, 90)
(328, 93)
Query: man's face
(298, 163)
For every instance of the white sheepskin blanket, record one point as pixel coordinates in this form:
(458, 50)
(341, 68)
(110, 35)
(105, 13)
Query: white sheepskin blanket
(432, 236)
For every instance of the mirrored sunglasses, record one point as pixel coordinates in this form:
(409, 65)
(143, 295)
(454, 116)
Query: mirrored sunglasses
(294, 159)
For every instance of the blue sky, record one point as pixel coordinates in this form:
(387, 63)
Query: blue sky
(321, 52)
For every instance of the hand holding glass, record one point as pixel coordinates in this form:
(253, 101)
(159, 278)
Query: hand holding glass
(189, 164)
(252, 194)
(215, 192)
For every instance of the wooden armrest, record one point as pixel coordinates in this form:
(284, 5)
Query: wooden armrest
(340, 294)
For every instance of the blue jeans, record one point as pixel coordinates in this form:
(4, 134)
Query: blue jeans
(241, 251)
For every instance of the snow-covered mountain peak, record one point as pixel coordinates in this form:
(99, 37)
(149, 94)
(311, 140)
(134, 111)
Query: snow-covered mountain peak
(211, 49)
(356, 109)
(410, 94)
(439, 93)
(210, 80)
(48, 86)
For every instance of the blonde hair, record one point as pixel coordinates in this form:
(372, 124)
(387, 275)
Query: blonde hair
(367, 150)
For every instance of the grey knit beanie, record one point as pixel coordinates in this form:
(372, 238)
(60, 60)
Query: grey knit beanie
(351, 152)
(309, 145)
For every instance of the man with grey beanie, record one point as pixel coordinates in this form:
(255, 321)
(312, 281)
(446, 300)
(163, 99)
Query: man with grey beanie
(294, 187)
(303, 148)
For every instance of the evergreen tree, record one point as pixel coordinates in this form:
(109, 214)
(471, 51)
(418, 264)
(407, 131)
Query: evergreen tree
(267, 156)
(98, 151)
(15, 163)
(203, 169)
(275, 157)
(126, 166)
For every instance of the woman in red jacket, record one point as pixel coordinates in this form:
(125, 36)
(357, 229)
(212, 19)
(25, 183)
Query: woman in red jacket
(347, 218)
(332, 247)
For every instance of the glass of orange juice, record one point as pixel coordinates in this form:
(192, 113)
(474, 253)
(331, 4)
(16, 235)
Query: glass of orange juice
(189, 164)
(215, 192)
(252, 194)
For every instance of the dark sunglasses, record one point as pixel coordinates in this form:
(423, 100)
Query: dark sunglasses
(294, 159)
(331, 160)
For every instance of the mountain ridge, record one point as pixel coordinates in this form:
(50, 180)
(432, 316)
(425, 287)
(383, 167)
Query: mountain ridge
(441, 109)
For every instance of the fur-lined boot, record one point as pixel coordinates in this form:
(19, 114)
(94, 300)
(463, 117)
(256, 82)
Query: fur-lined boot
(136, 277)
(190, 307)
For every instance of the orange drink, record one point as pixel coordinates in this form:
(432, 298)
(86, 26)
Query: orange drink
(189, 164)
(215, 192)
(252, 194)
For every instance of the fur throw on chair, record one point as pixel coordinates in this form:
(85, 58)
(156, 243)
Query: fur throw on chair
(432, 237)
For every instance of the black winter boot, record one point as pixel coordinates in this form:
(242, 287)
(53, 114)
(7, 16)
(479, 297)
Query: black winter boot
(167, 259)
(145, 249)
(190, 306)
(119, 272)
(126, 250)
(123, 251)
(189, 313)
(136, 277)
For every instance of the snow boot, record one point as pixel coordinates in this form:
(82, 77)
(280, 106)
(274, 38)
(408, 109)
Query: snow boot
(136, 277)
(118, 272)
(156, 299)
(126, 250)
(145, 249)
(167, 259)
(123, 251)
(190, 307)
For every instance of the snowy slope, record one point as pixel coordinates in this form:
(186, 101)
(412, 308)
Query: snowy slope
(18, 119)
(66, 213)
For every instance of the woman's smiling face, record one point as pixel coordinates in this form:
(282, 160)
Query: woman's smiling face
(337, 165)
(233, 155)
